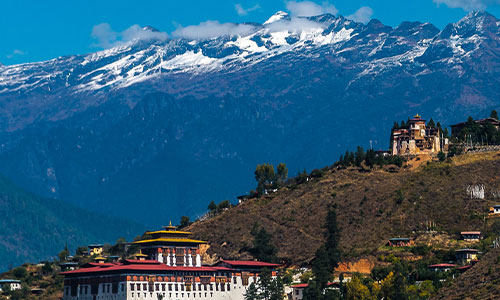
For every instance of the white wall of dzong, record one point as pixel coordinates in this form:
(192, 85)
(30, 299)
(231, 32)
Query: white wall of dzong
(234, 290)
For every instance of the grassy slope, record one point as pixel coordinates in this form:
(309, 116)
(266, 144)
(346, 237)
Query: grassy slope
(34, 228)
(295, 215)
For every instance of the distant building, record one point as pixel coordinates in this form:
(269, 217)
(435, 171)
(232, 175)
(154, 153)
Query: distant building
(95, 249)
(12, 284)
(298, 289)
(471, 236)
(442, 267)
(466, 256)
(242, 198)
(417, 138)
(495, 209)
(456, 130)
(168, 266)
(400, 242)
(68, 266)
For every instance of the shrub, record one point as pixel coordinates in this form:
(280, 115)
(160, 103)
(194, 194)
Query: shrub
(316, 173)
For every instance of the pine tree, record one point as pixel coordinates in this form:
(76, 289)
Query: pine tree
(370, 158)
(431, 123)
(262, 249)
(282, 173)
(332, 239)
(359, 156)
(212, 206)
(494, 114)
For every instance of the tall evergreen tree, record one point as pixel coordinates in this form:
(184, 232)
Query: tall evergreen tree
(332, 239)
(263, 249)
(327, 258)
(359, 156)
(281, 174)
(494, 114)
(431, 123)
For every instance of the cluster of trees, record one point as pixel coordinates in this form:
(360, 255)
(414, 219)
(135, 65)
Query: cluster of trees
(397, 282)
(218, 208)
(267, 287)
(369, 158)
(477, 133)
(268, 178)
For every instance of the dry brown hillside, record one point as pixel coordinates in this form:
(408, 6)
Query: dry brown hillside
(371, 207)
(479, 282)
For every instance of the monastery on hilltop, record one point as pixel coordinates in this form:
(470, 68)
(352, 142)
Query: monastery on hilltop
(417, 138)
(168, 266)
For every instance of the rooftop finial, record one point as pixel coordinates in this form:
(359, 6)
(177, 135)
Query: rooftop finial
(417, 116)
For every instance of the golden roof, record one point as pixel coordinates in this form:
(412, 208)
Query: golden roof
(170, 226)
(172, 240)
(168, 232)
(417, 116)
(100, 258)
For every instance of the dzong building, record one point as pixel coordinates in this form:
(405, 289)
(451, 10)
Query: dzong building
(417, 138)
(168, 266)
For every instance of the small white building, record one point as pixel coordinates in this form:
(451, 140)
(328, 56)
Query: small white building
(12, 283)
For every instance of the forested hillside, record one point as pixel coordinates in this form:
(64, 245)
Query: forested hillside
(33, 228)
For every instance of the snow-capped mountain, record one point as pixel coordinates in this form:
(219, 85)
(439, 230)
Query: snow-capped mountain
(120, 123)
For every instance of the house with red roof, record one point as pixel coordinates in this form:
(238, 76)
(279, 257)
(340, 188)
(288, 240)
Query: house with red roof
(442, 267)
(168, 266)
(298, 289)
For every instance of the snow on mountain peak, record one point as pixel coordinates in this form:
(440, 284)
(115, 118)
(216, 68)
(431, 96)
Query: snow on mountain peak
(150, 28)
(280, 15)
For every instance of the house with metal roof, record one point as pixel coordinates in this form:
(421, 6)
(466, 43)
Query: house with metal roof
(11, 284)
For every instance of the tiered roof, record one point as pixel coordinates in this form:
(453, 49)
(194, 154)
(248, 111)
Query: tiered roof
(170, 235)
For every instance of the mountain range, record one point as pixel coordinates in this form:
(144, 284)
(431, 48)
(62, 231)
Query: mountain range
(155, 129)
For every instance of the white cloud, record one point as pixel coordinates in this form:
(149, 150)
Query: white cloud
(244, 11)
(467, 5)
(309, 8)
(16, 52)
(363, 15)
(211, 29)
(106, 37)
(294, 25)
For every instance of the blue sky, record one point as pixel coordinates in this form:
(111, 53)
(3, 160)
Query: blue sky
(34, 30)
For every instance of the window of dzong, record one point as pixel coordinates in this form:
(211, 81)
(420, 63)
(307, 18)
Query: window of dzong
(170, 287)
(138, 286)
(114, 288)
(222, 285)
(144, 286)
(163, 287)
(228, 286)
(132, 287)
(176, 287)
